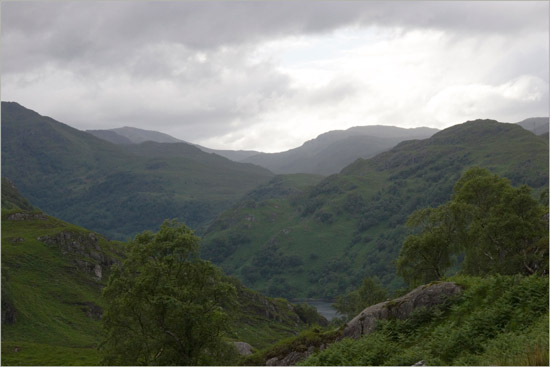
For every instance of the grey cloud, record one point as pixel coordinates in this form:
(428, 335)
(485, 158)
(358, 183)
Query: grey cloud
(108, 31)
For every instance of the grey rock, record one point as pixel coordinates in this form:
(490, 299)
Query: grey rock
(272, 362)
(244, 349)
(83, 249)
(293, 357)
(425, 296)
(420, 363)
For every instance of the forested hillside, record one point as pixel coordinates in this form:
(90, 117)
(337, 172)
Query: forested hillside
(323, 240)
(113, 190)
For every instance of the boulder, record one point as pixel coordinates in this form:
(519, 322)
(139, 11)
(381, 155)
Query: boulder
(244, 349)
(425, 296)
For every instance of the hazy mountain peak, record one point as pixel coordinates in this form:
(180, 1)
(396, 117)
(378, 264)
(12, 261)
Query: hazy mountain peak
(136, 135)
(537, 125)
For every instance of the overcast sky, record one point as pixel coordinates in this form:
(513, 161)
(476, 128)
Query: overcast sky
(270, 75)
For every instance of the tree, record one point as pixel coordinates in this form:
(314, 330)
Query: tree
(427, 256)
(166, 306)
(507, 231)
(500, 229)
(371, 292)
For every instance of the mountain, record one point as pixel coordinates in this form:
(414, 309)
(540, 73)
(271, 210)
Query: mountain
(117, 190)
(11, 198)
(537, 125)
(137, 136)
(110, 136)
(330, 152)
(234, 155)
(326, 154)
(52, 276)
(132, 135)
(296, 239)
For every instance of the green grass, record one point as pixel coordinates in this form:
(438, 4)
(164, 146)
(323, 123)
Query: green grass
(35, 354)
(53, 299)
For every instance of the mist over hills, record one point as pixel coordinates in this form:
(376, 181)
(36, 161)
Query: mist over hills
(326, 154)
(537, 125)
(133, 135)
(332, 151)
(117, 190)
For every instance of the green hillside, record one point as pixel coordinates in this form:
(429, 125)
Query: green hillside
(324, 240)
(52, 276)
(113, 189)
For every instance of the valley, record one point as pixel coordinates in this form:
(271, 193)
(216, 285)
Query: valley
(275, 236)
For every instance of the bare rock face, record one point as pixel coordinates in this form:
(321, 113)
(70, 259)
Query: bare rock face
(425, 296)
(84, 249)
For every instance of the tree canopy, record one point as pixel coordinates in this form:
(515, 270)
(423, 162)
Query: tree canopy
(370, 293)
(166, 306)
(500, 229)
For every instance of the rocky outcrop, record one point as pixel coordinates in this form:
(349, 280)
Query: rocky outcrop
(244, 349)
(425, 296)
(293, 357)
(84, 249)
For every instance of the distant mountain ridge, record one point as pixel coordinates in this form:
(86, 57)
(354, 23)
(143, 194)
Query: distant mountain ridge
(330, 152)
(537, 125)
(133, 135)
(117, 190)
(325, 155)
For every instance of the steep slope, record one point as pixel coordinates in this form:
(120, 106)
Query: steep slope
(118, 190)
(537, 125)
(323, 241)
(52, 276)
(332, 151)
(11, 198)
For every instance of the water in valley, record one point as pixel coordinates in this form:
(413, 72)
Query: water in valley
(322, 306)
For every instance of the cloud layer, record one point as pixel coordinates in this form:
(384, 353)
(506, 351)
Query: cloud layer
(269, 75)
